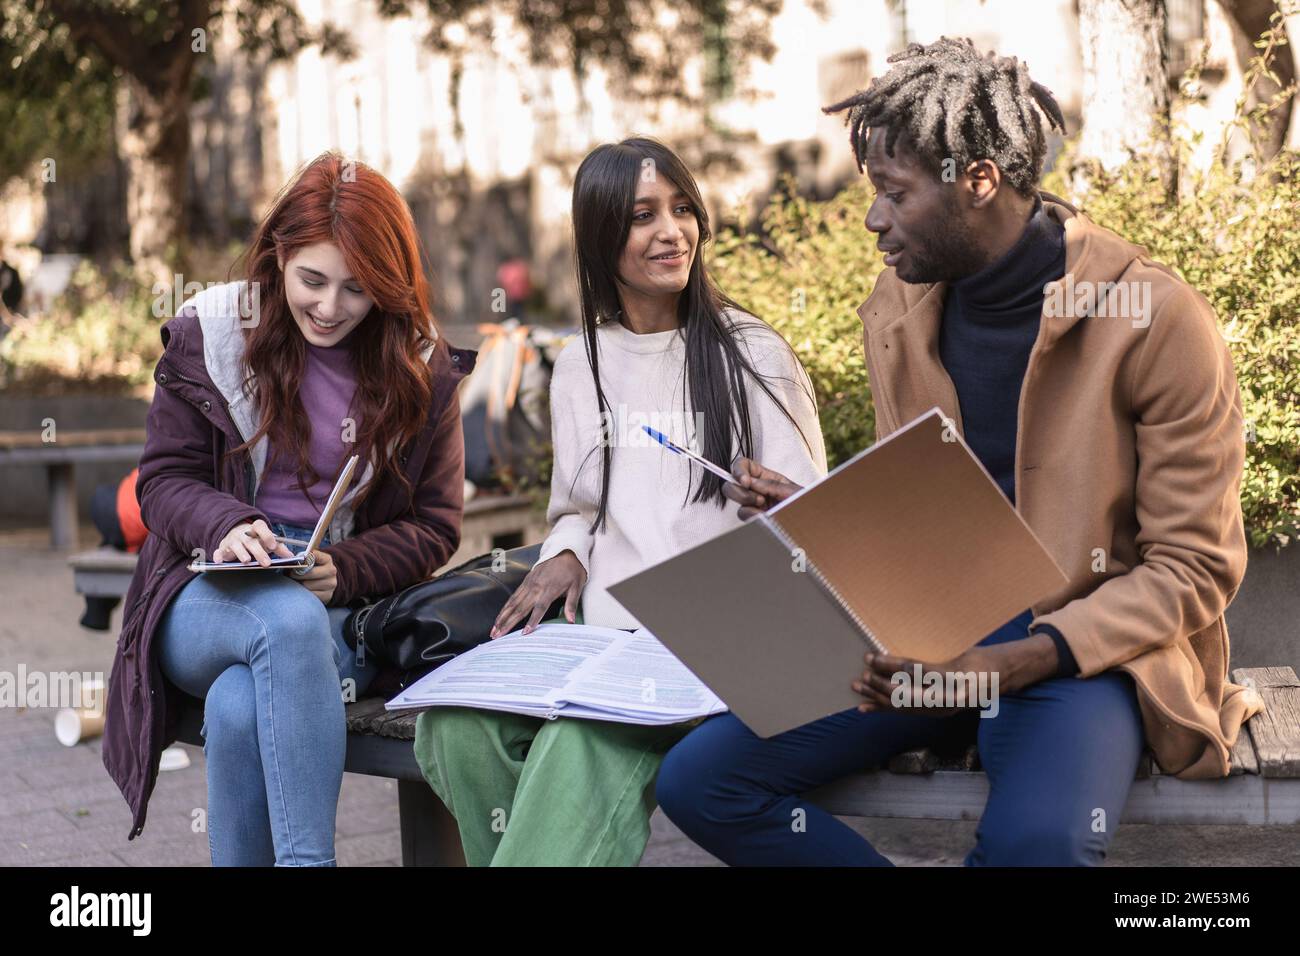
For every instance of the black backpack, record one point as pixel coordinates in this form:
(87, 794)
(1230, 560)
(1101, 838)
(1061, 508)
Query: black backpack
(505, 403)
(429, 623)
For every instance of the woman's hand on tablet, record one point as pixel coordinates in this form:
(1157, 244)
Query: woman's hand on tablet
(548, 580)
(756, 488)
(249, 542)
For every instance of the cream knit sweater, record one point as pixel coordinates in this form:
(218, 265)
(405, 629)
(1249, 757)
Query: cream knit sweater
(650, 517)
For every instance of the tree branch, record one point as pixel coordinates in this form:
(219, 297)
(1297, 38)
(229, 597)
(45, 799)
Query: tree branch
(160, 64)
(109, 32)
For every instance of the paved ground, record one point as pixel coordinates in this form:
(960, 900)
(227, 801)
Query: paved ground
(59, 808)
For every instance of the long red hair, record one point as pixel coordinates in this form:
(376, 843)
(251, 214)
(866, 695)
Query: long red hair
(347, 203)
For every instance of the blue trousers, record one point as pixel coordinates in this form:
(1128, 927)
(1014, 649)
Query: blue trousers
(270, 662)
(1060, 757)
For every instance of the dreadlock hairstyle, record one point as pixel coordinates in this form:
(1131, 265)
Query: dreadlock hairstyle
(716, 367)
(951, 102)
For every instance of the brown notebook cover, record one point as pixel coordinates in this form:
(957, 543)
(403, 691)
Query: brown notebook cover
(910, 546)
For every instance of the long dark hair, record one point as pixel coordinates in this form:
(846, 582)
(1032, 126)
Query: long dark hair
(604, 193)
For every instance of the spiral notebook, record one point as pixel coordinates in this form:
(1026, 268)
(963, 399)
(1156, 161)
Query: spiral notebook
(305, 556)
(909, 548)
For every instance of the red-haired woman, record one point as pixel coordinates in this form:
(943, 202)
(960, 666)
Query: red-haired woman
(327, 349)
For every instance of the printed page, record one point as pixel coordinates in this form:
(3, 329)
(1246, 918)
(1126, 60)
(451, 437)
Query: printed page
(637, 677)
(515, 671)
(568, 670)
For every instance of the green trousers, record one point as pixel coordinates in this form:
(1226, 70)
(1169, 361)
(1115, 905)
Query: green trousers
(532, 792)
(526, 791)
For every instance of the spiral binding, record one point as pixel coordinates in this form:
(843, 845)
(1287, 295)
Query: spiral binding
(776, 529)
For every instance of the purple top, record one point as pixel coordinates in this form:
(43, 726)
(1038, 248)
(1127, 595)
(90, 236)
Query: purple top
(328, 385)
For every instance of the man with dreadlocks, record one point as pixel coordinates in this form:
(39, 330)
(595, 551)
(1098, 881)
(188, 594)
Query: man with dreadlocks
(1096, 389)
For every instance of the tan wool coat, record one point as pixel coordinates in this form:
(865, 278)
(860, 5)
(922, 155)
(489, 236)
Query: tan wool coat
(1129, 457)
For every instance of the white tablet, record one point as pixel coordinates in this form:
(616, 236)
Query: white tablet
(304, 558)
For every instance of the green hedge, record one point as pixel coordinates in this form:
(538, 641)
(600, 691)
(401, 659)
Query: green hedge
(99, 335)
(1237, 240)
(806, 272)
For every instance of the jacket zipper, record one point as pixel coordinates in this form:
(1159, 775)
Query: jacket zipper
(250, 474)
(176, 371)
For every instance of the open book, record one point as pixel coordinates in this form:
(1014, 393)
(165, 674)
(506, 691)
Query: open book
(909, 548)
(568, 670)
(304, 557)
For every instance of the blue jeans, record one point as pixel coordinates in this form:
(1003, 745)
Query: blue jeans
(1060, 757)
(269, 660)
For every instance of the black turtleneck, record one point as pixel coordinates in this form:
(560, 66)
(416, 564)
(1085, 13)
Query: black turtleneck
(990, 324)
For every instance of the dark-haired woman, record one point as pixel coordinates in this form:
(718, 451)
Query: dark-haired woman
(661, 346)
(265, 387)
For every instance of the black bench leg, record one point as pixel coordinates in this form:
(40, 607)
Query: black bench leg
(429, 833)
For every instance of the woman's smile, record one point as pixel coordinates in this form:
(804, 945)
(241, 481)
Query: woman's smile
(321, 326)
(673, 258)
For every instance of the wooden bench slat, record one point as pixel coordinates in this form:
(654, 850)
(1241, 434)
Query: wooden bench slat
(968, 759)
(367, 716)
(1261, 677)
(926, 760)
(957, 795)
(1242, 758)
(35, 438)
(1275, 733)
(921, 760)
(400, 725)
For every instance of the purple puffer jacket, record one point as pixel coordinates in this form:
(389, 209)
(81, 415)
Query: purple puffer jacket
(191, 495)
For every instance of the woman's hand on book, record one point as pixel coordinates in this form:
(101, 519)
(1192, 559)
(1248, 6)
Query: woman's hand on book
(756, 488)
(562, 575)
(250, 541)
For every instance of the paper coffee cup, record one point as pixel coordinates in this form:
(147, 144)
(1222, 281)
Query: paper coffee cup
(72, 725)
(75, 724)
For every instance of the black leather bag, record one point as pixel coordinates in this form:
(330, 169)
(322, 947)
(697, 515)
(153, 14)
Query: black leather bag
(431, 622)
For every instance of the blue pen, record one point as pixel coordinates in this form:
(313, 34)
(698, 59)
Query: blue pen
(664, 440)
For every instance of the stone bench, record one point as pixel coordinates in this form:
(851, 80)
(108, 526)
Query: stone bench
(60, 457)
(102, 572)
